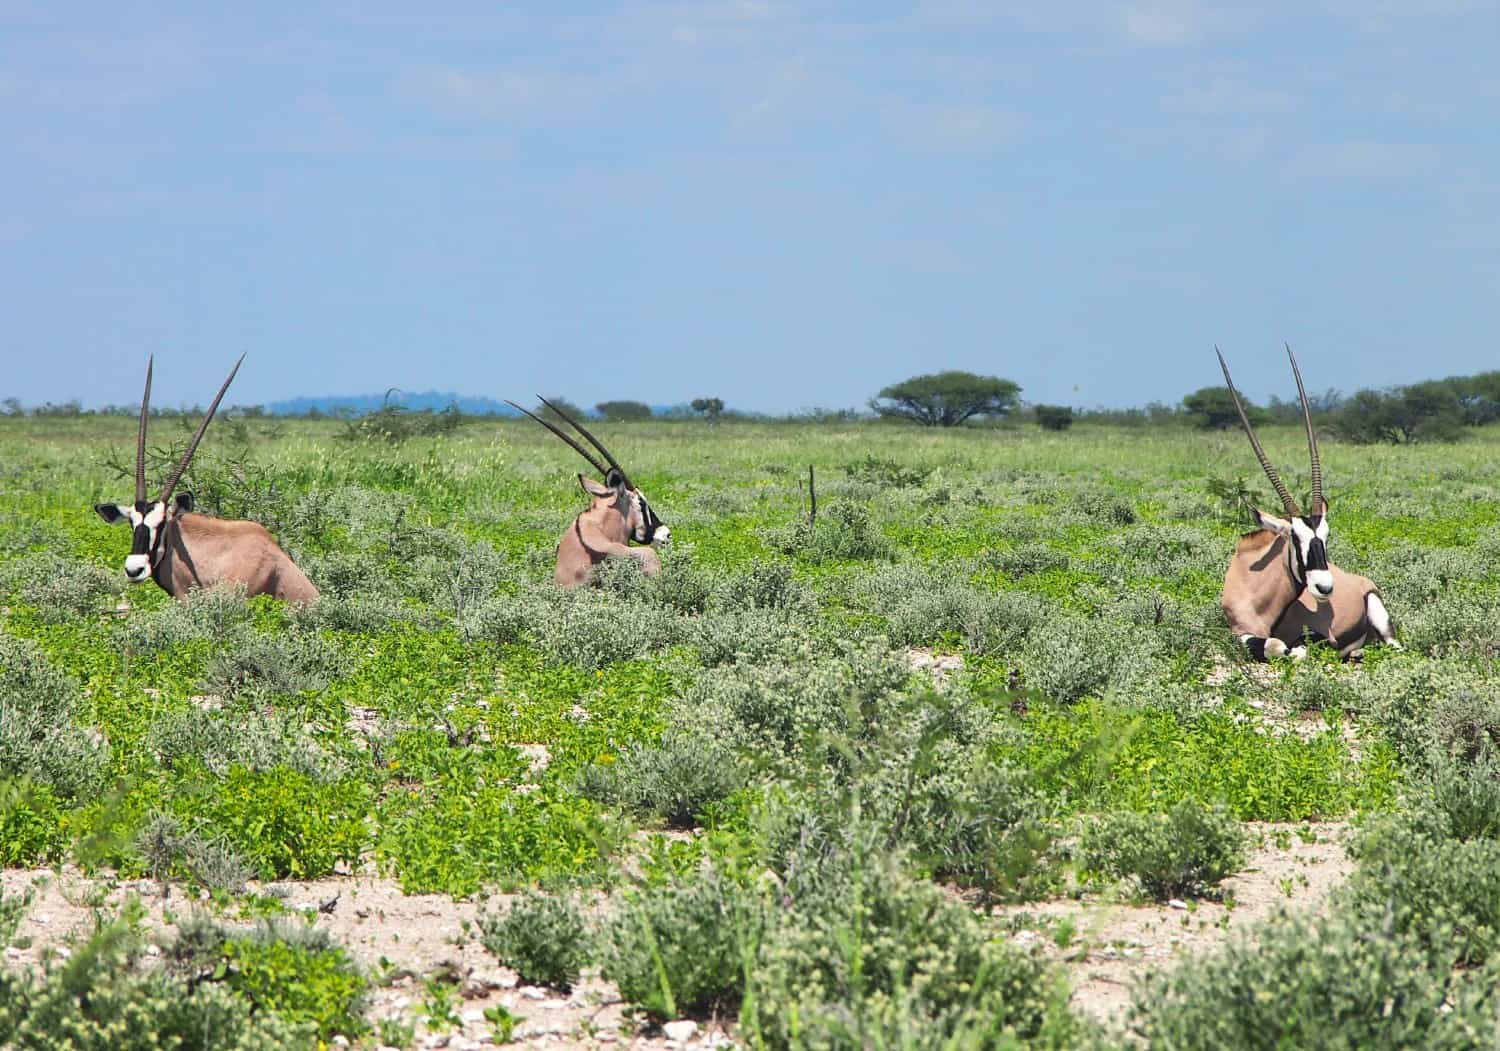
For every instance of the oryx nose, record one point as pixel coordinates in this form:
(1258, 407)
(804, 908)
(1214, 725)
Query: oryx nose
(1323, 589)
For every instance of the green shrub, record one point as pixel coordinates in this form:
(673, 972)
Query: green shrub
(297, 973)
(843, 532)
(170, 849)
(1188, 850)
(1028, 559)
(1459, 799)
(1334, 982)
(221, 739)
(674, 779)
(683, 948)
(543, 938)
(861, 953)
(1444, 892)
(57, 588)
(39, 739)
(100, 999)
(281, 821)
(215, 615)
(268, 666)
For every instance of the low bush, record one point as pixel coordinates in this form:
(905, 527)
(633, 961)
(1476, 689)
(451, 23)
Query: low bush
(685, 947)
(284, 968)
(1444, 892)
(842, 532)
(274, 665)
(542, 937)
(57, 588)
(39, 740)
(861, 955)
(100, 999)
(674, 779)
(1334, 982)
(169, 849)
(1186, 851)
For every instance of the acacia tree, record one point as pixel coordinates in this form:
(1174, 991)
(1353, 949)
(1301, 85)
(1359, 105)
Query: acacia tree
(946, 399)
(623, 410)
(1212, 408)
(710, 407)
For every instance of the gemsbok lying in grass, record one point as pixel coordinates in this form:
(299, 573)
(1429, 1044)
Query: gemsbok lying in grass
(1280, 589)
(181, 550)
(618, 513)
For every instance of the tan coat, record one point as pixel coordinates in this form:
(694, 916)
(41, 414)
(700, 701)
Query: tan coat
(200, 551)
(603, 530)
(1262, 600)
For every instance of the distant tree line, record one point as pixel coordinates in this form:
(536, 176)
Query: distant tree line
(1433, 410)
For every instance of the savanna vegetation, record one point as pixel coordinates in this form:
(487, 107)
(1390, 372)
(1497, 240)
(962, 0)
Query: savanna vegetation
(752, 804)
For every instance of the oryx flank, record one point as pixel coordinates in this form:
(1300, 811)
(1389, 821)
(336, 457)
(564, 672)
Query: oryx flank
(1280, 588)
(181, 550)
(617, 514)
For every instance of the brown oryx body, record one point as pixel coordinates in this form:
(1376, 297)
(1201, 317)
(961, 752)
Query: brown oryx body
(1280, 589)
(181, 550)
(618, 513)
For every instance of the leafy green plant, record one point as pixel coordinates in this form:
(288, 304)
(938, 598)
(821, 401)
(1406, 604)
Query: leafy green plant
(541, 937)
(1188, 850)
(683, 947)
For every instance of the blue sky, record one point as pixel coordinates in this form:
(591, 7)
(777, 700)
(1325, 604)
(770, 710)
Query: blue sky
(781, 204)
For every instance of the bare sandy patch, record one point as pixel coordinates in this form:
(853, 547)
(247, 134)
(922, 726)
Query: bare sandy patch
(1108, 944)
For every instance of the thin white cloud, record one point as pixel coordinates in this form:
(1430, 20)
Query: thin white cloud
(1222, 94)
(1161, 23)
(949, 128)
(505, 94)
(785, 91)
(712, 24)
(1365, 160)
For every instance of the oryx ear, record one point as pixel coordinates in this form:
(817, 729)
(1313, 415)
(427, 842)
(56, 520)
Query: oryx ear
(113, 513)
(593, 488)
(614, 479)
(183, 504)
(1274, 524)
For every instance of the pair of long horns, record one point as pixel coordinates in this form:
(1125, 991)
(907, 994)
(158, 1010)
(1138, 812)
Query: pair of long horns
(1319, 504)
(140, 440)
(581, 429)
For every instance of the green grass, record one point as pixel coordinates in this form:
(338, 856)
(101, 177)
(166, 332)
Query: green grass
(433, 788)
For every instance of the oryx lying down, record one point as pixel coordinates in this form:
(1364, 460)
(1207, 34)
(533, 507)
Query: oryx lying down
(1280, 588)
(181, 550)
(617, 514)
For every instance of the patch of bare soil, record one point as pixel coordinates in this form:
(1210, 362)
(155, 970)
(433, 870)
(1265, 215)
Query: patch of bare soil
(403, 941)
(941, 666)
(1106, 944)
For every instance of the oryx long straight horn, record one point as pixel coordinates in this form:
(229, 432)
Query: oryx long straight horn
(187, 457)
(140, 437)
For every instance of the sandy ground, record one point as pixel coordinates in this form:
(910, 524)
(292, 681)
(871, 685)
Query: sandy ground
(1106, 944)
(405, 941)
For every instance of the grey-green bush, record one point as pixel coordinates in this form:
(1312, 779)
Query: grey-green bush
(685, 947)
(38, 736)
(542, 937)
(1188, 850)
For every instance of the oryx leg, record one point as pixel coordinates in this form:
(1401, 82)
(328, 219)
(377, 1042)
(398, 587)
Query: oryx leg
(1380, 620)
(648, 558)
(1261, 648)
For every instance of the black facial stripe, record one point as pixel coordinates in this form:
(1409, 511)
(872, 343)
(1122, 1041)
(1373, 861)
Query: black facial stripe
(141, 542)
(1317, 555)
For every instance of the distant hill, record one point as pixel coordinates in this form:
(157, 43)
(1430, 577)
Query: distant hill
(360, 404)
(417, 401)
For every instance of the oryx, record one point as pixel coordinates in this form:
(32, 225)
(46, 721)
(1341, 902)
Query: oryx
(181, 550)
(618, 513)
(1280, 589)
